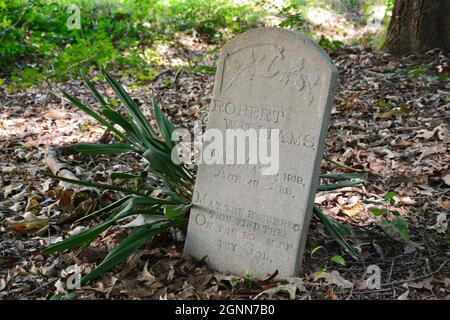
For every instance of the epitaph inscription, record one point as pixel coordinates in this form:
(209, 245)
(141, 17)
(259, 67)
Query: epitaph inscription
(243, 221)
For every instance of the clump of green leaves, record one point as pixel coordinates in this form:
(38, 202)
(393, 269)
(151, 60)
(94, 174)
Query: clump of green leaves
(36, 44)
(417, 71)
(174, 182)
(337, 231)
(330, 44)
(385, 105)
(391, 220)
(247, 280)
(293, 17)
(418, 74)
(338, 260)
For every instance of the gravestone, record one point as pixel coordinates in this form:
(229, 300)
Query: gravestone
(243, 221)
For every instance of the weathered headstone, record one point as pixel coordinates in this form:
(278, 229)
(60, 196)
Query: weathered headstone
(243, 221)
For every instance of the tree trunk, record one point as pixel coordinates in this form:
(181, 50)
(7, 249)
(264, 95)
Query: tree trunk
(419, 26)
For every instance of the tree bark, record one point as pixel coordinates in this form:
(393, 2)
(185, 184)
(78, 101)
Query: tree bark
(418, 26)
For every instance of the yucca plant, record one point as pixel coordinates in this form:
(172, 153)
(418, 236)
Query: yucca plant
(173, 182)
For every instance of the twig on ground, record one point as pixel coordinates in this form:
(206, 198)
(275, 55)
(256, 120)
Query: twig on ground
(419, 277)
(37, 289)
(342, 165)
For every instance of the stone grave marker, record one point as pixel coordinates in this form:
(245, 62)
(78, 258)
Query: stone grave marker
(244, 221)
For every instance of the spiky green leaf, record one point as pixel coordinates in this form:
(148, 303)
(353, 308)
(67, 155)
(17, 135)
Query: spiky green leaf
(113, 148)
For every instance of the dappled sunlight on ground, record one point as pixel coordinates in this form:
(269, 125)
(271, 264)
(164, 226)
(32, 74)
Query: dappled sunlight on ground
(338, 27)
(40, 126)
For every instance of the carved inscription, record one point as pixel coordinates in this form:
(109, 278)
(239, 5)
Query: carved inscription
(249, 228)
(243, 116)
(267, 61)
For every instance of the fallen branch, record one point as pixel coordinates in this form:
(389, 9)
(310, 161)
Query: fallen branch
(56, 166)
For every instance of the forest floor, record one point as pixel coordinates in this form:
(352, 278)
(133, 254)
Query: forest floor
(390, 120)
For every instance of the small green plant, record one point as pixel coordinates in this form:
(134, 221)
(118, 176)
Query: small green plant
(331, 45)
(415, 73)
(84, 126)
(392, 221)
(36, 45)
(338, 260)
(293, 17)
(248, 279)
(383, 104)
(172, 182)
(234, 282)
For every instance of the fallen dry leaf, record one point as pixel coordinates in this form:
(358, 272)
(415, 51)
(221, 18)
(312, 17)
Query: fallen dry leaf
(2, 284)
(446, 179)
(7, 169)
(403, 296)
(333, 278)
(352, 210)
(424, 133)
(320, 198)
(441, 224)
(289, 288)
(404, 199)
(11, 188)
(56, 115)
(424, 284)
(29, 223)
(146, 276)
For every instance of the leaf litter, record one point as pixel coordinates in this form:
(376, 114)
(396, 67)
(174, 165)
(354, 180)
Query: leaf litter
(403, 150)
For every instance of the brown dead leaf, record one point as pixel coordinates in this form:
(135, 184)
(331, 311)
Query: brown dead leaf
(425, 134)
(446, 179)
(404, 199)
(29, 223)
(424, 284)
(395, 113)
(333, 278)
(146, 276)
(56, 115)
(352, 210)
(65, 198)
(441, 224)
(289, 288)
(401, 144)
(12, 188)
(403, 296)
(444, 204)
(199, 281)
(320, 198)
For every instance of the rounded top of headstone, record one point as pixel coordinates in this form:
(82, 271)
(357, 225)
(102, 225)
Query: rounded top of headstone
(306, 46)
